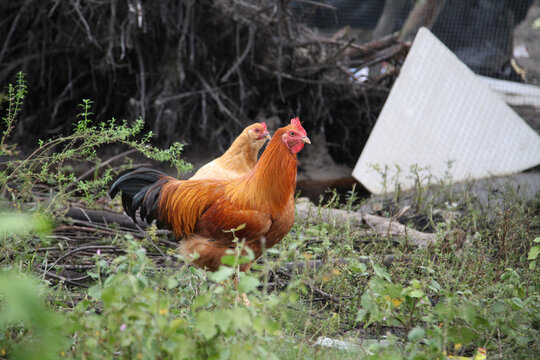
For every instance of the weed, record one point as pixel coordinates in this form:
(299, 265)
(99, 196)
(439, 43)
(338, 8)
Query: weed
(47, 164)
(15, 98)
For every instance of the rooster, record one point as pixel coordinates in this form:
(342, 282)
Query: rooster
(201, 212)
(240, 158)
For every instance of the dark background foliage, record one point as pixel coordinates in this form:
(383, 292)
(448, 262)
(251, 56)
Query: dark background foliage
(196, 71)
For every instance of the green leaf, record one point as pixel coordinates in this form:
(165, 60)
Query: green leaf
(435, 286)
(177, 324)
(446, 312)
(394, 290)
(223, 319)
(480, 322)
(240, 227)
(262, 324)
(361, 314)
(247, 284)
(498, 307)
(533, 253)
(201, 300)
(222, 274)
(172, 283)
(358, 267)
(380, 272)
(206, 324)
(468, 312)
(416, 333)
(462, 335)
(241, 318)
(518, 302)
(228, 260)
(416, 293)
(143, 281)
(95, 292)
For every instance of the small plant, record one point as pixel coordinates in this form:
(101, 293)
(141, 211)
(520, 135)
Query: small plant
(15, 98)
(48, 164)
(455, 320)
(147, 313)
(28, 328)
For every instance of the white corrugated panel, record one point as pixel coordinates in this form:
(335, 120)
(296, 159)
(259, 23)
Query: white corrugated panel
(438, 112)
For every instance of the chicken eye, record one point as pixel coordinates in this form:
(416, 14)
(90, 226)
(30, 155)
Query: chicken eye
(256, 130)
(292, 133)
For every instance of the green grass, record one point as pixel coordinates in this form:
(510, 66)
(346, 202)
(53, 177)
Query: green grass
(477, 286)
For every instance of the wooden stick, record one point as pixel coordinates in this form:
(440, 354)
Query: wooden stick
(65, 279)
(89, 247)
(102, 217)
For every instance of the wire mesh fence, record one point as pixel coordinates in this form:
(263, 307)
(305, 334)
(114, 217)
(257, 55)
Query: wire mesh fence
(498, 39)
(480, 33)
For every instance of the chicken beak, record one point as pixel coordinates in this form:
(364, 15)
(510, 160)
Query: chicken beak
(268, 136)
(306, 140)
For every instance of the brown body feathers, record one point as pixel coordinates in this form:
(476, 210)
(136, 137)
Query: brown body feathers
(199, 212)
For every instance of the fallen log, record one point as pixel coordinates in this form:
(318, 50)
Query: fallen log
(102, 217)
(306, 210)
(380, 225)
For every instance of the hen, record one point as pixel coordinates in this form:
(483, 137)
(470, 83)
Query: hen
(199, 212)
(240, 158)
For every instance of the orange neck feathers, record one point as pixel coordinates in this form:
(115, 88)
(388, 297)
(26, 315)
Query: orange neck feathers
(272, 182)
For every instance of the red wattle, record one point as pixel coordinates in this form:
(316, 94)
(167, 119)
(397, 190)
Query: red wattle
(297, 147)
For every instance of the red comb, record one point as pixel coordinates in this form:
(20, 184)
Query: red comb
(264, 126)
(296, 123)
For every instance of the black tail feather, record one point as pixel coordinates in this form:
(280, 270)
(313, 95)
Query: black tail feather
(151, 201)
(140, 188)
